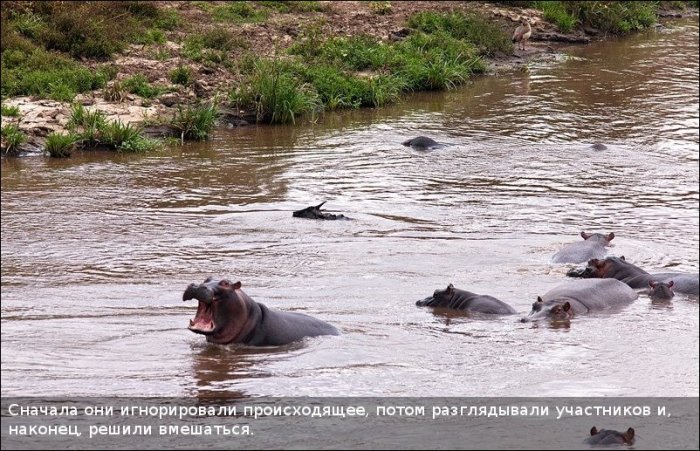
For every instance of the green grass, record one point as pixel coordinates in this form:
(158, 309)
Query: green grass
(380, 8)
(60, 145)
(138, 84)
(10, 111)
(276, 93)
(292, 6)
(239, 12)
(613, 17)
(474, 29)
(12, 138)
(195, 122)
(87, 126)
(557, 13)
(43, 74)
(181, 75)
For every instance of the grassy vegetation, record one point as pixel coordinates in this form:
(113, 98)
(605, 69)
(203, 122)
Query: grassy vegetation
(91, 129)
(12, 138)
(60, 145)
(352, 72)
(10, 111)
(181, 76)
(292, 6)
(613, 17)
(196, 122)
(239, 12)
(138, 84)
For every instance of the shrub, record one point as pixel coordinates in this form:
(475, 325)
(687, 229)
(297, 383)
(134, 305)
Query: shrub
(181, 75)
(12, 138)
(138, 84)
(10, 111)
(60, 145)
(195, 122)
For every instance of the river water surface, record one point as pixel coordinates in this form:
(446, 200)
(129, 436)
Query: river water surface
(98, 249)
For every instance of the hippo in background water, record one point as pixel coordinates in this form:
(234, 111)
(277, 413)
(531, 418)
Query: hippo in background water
(599, 147)
(316, 213)
(660, 291)
(456, 299)
(593, 246)
(610, 437)
(565, 301)
(227, 315)
(422, 143)
(634, 276)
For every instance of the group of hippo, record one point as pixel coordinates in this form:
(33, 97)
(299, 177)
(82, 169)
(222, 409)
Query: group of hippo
(226, 314)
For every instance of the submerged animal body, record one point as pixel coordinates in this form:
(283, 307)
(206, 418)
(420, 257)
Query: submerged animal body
(593, 246)
(456, 299)
(422, 143)
(315, 212)
(610, 437)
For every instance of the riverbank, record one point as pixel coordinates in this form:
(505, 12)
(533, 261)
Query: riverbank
(261, 61)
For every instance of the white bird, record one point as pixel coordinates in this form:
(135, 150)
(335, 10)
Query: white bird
(522, 33)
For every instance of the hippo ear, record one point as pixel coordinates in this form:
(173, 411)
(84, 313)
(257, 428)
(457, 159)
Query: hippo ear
(611, 236)
(319, 205)
(539, 299)
(585, 235)
(450, 288)
(670, 284)
(622, 257)
(630, 433)
(566, 306)
(237, 285)
(594, 431)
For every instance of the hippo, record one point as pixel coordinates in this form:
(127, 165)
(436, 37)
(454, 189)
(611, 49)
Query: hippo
(423, 143)
(599, 147)
(582, 251)
(454, 298)
(634, 276)
(582, 296)
(316, 213)
(610, 437)
(660, 291)
(227, 315)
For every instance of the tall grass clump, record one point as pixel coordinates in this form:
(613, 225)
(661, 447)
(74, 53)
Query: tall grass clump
(474, 29)
(138, 84)
(195, 122)
(557, 13)
(10, 111)
(12, 138)
(181, 75)
(615, 17)
(293, 6)
(238, 12)
(87, 126)
(276, 93)
(60, 145)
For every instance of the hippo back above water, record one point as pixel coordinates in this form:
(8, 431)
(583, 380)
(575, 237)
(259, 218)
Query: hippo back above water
(456, 299)
(593, 246)
(422, 143)
(634, 276)
(565, 301)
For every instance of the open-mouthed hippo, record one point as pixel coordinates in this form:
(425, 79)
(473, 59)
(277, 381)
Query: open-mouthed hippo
(660, 291)
(634, 276)
(454, 298)
(593, 246)
(423, 143)
(316, 213)
(227, 315)
(580, 296)
(610, 437)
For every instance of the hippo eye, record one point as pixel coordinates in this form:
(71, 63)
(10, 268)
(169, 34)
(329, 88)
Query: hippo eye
(224, 283)
(208, 279)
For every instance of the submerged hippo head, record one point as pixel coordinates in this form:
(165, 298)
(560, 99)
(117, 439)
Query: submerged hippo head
(661, 291)
(224, 310)
(601, 268)
(610, 437)
(552, 310)
(422, 142)
(602, 239)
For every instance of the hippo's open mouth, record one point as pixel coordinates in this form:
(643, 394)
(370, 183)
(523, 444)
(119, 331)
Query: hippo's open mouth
(203, 322)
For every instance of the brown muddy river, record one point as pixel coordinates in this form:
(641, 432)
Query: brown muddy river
(98, 249)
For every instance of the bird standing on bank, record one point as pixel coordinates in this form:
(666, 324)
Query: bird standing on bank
(522, 33)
